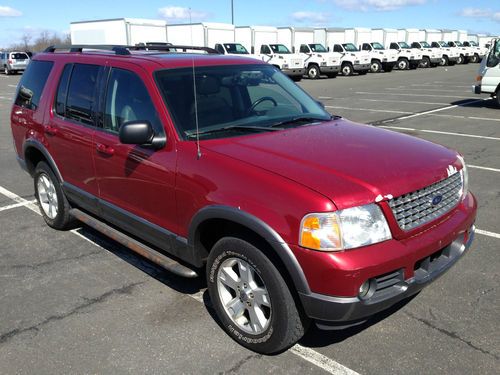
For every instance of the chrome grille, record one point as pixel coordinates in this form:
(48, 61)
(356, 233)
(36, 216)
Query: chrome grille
(419, 207)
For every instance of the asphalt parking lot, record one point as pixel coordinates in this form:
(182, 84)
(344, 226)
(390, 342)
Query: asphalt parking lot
(76, 302)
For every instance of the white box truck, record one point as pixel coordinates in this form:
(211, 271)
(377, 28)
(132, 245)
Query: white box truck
(431, 57)
(263, 43)
(406, 57)
(317, 60)
(434, 37)
(118, 31)
(488, 80)
(204, 34)
(370, 41)
(352, 59)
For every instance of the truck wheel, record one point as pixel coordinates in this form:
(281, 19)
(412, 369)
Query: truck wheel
(375, 67)
(6, 71)
(426, 62)
(53, 203)
(332, 75)
(444, 61)
(251, 298)
(347, 69)
(497, 94)
(313, 71)
(403, 64)
(460, 59)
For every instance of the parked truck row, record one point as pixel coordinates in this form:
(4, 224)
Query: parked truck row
(299, 51)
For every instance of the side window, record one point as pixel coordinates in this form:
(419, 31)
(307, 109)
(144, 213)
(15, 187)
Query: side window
(127, 99)
(62, 90)
(394, 46)
(32, 83)
(337, 48)
(265, 50)
(304, 49)
(219, 48)
(366, 47)
(81, 90)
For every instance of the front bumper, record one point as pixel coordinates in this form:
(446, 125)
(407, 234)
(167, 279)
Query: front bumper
(329, 69)
(435, 60)
(292, 72)
(401, 268)
(361, 67)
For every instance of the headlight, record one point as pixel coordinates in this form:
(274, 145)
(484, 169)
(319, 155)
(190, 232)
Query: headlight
(464, 176)
(344, 229)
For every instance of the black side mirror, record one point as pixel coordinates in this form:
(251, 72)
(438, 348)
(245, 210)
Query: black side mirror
(25, 94)
(136, 133)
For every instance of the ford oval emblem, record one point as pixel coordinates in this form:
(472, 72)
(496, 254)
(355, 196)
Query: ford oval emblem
(437, 199)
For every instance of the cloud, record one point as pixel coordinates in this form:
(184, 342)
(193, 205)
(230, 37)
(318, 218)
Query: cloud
(377, 5)
(311, 17)
(9, 12)
(480, 14)
(176, 14)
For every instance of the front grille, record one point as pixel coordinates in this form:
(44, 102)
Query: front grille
(421, 206)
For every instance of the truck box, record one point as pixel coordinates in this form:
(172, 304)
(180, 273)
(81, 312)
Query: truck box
(206, 34)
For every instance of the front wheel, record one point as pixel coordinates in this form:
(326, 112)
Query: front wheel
(53, 203)
(313, 71)
(251, 298)
(426, 62)
(375, 67)
(444, 61)
(403, 64)
(347, 69)
(460, 60)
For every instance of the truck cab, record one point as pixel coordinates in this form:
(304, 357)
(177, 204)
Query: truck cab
(449, 56)
(280, 56)
(464, 52)
(352, 60)
(479, 52)
(231, 49)
(381, 58)
(317, 60)
(488, 80)
(430, 57)
(408, 58)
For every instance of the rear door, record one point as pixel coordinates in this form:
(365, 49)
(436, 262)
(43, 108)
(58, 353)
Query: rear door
(136, 184)
(19, 60)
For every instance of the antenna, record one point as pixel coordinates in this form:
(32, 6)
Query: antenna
(198, 150)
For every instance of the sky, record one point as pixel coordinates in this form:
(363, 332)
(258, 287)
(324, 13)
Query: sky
(18, 18)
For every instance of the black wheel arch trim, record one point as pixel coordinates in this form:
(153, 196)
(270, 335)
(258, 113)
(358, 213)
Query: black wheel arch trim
(40, 147)
(258, 226)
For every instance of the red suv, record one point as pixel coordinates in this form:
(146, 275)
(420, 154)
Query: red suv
(221, 164)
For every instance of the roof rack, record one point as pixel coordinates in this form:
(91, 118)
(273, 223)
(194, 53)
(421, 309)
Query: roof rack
(125, 50)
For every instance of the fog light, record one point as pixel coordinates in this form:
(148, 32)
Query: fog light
(367, 289)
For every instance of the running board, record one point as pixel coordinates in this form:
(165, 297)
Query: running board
(134, 245)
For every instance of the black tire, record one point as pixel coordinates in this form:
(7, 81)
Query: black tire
(285, 324)
(62, 220)
(6, 71)
(460, 60)
(497, 97)
(425, 63)
(375, 67)
(313, 71)
(475, 58)
(332, 75)
(444, 61)
(403, 64)
(347, 69)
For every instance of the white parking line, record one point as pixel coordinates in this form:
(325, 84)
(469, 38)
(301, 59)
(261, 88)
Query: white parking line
(402, 101)
(441, 109)
(484, 118)
(487, 233)
(324, 97)
(426, 89)
(310, 355)
(404, 94)
(12, 86)
(15, 205)
(432, 85)
(367, 109)
(439, 132)
(483, 168)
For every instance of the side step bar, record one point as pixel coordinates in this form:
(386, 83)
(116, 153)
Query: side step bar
(141, 249)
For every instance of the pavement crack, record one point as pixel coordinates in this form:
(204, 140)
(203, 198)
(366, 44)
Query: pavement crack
(240, 363)
(127, 289)
(51, 262)
(453, 335)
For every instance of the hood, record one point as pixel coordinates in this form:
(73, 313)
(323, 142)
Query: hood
(352, 164)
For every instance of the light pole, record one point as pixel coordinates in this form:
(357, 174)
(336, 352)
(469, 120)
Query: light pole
(232, 12)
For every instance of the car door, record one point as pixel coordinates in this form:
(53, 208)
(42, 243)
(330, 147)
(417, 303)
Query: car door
(136, 183)
(70, 128)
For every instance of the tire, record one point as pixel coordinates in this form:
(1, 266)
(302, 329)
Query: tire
(474, 59)
(51, 199)
(313, 71)
(460, 59)
(332, 75)
(497, 95)
(296, 78)
(347, 69)
(403, 64)
(6, 71)
(426, 62)
(232, 265)
(375, 67)
(444, 61)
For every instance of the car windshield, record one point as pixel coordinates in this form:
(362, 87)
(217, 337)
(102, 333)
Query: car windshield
(236, 49)
(279, 48)
(377, 46)
(317, 48)
(425, 45)
(459, 44)
(404, 45)
(443, 44)
(235, 99)
(349, 47)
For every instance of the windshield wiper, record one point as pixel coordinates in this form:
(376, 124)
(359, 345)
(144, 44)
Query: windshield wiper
(231, 128)
(305, 120)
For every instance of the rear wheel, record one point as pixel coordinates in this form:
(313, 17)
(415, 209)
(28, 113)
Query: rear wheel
(403, 64)
(347, 69)
(313, 71)
(53, 203)
(375, 67)
(251, 297)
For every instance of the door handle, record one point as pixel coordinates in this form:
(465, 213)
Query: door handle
(106, 150)
(50, 130)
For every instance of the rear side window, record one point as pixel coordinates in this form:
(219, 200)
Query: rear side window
(32, 83)
(127, 99)
(81, 93)
(19, 56)
(62, 90)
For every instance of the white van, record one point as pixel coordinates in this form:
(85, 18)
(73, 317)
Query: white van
(488, 81)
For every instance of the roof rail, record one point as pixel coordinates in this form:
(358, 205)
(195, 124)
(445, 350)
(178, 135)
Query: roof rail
(125, 50)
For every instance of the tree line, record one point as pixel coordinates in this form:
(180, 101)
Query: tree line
(32, 43)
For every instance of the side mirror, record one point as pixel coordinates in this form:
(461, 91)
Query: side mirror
(328, 49)
(136, 133)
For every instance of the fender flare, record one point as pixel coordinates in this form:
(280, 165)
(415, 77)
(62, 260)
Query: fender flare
(258, 226)
(40, 147)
